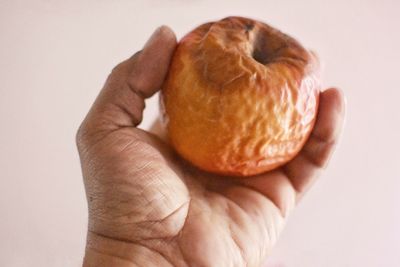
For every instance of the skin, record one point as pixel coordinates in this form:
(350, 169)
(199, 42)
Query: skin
(148, 207)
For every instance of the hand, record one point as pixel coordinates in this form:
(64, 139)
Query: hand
(148, 207)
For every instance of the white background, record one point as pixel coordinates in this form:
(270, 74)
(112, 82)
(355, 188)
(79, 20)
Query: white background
(55, 56)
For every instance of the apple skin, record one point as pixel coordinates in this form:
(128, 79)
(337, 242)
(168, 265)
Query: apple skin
(240, 98)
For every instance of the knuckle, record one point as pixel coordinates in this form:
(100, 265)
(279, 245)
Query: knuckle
(138, 85)
(118, 68)
(80, 136)
(125, 65)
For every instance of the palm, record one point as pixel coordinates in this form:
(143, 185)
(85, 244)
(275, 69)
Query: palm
(208, 219)
(142, 195)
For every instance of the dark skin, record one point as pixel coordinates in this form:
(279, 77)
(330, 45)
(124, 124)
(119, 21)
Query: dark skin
(148, 207)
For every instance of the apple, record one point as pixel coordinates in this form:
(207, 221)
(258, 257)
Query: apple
(240, 98)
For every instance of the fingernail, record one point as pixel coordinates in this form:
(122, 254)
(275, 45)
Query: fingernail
(153, 37)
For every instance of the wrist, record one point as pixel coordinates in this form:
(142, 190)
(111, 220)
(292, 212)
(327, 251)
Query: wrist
(103, 251)
(95, 258)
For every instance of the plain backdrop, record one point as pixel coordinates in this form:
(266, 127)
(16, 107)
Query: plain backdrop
(55, 56)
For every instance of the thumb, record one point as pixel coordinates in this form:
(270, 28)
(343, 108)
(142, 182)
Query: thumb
(121, 101)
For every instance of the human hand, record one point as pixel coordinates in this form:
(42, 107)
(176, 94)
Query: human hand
(148, 207)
